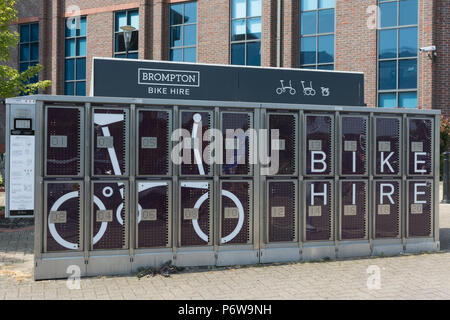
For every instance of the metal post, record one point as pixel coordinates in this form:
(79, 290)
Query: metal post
(446, 178)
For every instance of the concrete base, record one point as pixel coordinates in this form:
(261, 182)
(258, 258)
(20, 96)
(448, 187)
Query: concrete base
(421, 245)
(108, 265)
(150, 259)
(195, 258)
(270, 255)
(59, 268)
(237, 257)
(353, 249)
(314, 251)
(387, 247)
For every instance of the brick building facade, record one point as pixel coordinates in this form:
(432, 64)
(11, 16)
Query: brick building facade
(356, 39)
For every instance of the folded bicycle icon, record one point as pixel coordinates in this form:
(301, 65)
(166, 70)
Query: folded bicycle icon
(104, 120)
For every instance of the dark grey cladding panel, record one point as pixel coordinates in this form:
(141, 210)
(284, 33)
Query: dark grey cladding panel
(165, 80)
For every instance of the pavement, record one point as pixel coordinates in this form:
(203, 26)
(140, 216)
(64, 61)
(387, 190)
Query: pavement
(420, 276)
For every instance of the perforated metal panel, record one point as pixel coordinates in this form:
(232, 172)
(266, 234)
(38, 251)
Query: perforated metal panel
(236, 144)
(287, 150)
(236, 212)
(63, 216)
(420, 153)
(154, 131)
(281, 211)
(195, 213)
(153, 214)
(63, 142)
(191, 167)
(319, 210)
(387, 145)
(109, 215)
(420, 208)
(387, 209)
(353, 145)
(353, 211)
(110, 142)
(319, 145)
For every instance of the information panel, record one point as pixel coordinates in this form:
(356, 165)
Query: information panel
(21, 194)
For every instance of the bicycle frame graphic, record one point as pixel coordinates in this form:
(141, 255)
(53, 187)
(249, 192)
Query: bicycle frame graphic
(104, 120)
(283, 88)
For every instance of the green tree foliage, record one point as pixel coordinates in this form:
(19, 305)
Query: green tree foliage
(13, 82)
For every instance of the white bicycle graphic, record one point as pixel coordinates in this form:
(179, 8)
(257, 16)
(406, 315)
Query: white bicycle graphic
(308, 91)
(283, 88)
(106, 119)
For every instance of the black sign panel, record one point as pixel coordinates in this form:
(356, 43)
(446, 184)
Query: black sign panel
(168, 80)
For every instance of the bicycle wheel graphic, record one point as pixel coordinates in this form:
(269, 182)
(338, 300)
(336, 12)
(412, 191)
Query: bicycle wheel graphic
(51, 226)
(238, 227)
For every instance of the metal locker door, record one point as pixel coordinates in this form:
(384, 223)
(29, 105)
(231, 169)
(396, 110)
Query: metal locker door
(154, 129)
(353, 155)
(353, 210)
(195, 223)
(63, 219)
(64, 141)
(287, 125)
(196, 123)
(109, 215)
(236, 212)
(420, 208)
(420, 147)
(319, 135)
(282, 211)
(387, 209)
(387, 145)
(153, 219)
(110, 142)
(236, 143)
(319, 210)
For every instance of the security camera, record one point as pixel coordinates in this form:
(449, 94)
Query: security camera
(428, 49)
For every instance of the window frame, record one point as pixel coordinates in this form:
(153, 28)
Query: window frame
(316, 65)
(397, 91)
(75, 58)
(182, 25)
(245, 41)
(115, 53)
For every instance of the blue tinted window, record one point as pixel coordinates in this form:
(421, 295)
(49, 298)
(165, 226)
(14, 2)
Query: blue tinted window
(69, 69)
(388, 75)
(317, 27)
(238, 54)
(34, 32)
(388, 14)
(408, 12)
(388, 100)
(124, 18)
(326, 21)
(190, 54)
(397, 40)
(308, 5)
(254, 28)
(183, 32)
(407, 42)
(76, 50)
(407, 100)
(308, 50)
(254, 53)
(326, 49)
(308, 23)
(25, 33)
(387, 44)
(246, 32)
(407, 74)
(24, 52)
